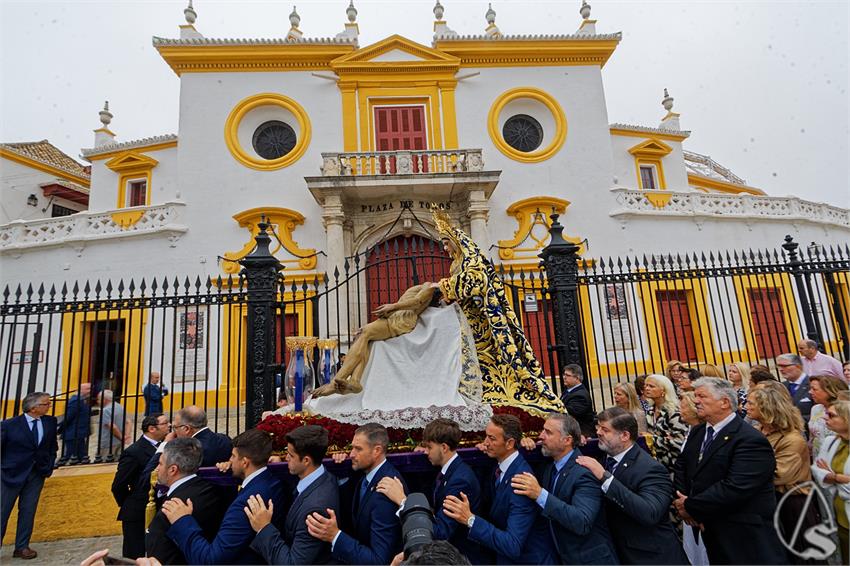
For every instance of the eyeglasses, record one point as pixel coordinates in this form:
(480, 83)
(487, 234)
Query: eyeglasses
(47, 404)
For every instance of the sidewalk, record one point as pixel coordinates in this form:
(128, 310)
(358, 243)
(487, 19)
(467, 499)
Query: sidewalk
(70, 551)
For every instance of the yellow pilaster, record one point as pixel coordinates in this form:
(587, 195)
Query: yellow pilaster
(447, 97)
(349, 115)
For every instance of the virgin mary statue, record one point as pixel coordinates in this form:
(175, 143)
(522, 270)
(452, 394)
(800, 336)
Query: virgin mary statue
(510, 373)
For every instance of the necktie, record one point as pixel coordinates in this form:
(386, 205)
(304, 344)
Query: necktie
(498, 475)
(709, 436)
(437, 486)
(792, 388)
(35, 431)
(553, 481)
(364, 488)
(610, 464)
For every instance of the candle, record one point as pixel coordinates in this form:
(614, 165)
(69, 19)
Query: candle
(299, 380)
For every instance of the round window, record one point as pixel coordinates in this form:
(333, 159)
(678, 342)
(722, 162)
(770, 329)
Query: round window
(274, 139)
(523, 133)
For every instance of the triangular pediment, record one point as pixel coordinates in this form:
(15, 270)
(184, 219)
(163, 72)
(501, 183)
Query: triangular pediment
(394, 51)
(131, 160)
(651, 147)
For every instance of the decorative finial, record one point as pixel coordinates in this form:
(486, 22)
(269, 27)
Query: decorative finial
(667, 103)
(294, 18)
(490, 15)
(584, 10)
(351, 12)
(438, 11)
(105, 115)
(190, 14)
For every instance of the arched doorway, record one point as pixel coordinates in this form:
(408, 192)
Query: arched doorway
(398, 263)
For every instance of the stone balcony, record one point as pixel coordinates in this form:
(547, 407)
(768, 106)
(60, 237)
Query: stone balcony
(635, 203)
(77, 229)
(435, 175)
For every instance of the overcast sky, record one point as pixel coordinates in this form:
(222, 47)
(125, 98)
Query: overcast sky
(763, 86)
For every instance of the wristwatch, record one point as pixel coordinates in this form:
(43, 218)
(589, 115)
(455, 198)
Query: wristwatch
(470, 521)
(606, 475)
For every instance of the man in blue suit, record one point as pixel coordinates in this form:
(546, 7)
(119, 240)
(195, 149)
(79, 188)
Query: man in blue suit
(572, 500)
(440, 440)
(28, 451)
(513, 532)
(317, 491)
(153, 393)
(250, 454)
(76, 426)
(637, 493)
(377, 537)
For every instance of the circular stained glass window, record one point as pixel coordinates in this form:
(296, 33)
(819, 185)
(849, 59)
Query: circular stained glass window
(523, 133)
(274, 139)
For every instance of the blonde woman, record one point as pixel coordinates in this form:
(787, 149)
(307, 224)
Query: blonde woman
(780, 421)
(823, 390)
(663, 421)
(711, 370)
(832, 469)
(625, 397)
(673, 370)
(739, 376)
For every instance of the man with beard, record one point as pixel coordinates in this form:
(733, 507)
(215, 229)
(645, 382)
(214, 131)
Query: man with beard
(572, 501)
(377, 536)
(637, 493)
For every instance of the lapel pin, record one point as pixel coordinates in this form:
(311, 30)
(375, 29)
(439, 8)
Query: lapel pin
(725, 438)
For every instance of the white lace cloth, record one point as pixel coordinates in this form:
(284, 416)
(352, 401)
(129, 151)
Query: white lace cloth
(411, 379)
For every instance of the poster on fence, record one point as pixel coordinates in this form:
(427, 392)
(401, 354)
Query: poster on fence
(190, 352)
(616, 324)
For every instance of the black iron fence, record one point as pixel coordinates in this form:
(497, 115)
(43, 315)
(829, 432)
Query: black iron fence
(221, 343)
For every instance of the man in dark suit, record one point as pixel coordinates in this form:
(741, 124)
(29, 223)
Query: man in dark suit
(514, 531)
(797, 382)
(724, 481)
(76, 426)
(191, 422)
(231, 545)
(377, 536)
(27, 451)
(576, 399)
(130, 496)
(572, 500)
(178, 465)
(637, 493)
(316, 492)
(440, 440)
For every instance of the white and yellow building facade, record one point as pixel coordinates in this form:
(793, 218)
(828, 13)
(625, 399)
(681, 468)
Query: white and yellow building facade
(331, 139)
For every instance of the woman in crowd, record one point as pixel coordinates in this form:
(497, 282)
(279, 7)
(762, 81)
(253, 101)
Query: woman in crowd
(823, 390)
(832, 469)
(780, 421)
(664, 423)
(759, 373)
(739, 376)
(711, 370)
(625, 397)
(694, 548)
(687, 378)
(846, 370)
(639, 383)
(672, 371)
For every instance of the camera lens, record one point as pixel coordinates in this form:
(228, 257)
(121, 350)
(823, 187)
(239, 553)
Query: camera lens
(417, 524)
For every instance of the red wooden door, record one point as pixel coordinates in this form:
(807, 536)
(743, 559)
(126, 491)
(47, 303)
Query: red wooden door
(768, 322)
(677, 331)
(392, 264)
(400, 128)
(290, 328)
(534, 326)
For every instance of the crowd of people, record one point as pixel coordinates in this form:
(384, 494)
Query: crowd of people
(697, 467)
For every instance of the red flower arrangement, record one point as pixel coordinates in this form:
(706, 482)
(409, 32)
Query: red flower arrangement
(401, 440)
